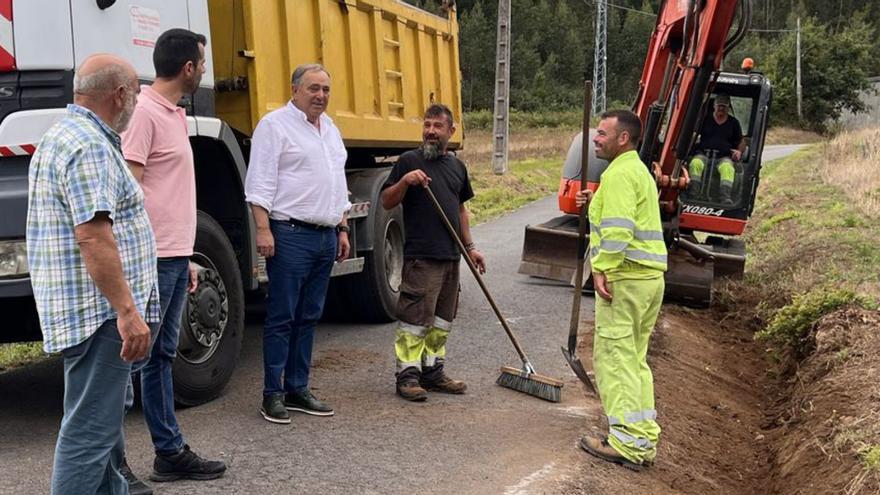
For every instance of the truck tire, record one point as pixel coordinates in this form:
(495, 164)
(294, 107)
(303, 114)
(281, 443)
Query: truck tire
(213, 321)
(371, 295)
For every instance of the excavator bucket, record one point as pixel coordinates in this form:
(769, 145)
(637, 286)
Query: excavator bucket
(550, 249)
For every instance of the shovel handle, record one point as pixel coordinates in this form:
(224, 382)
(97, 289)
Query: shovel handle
(574, 323)
(477, 276)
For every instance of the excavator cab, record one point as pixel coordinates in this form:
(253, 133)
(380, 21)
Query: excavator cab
(750, 96)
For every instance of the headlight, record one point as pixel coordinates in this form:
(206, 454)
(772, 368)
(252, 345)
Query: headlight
(13, 259)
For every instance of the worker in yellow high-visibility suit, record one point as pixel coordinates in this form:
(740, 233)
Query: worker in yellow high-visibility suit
(628, 258)
(721, 138)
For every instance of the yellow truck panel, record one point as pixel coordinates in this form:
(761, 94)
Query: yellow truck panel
(388, 61)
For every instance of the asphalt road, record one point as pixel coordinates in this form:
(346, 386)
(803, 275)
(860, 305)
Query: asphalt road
(491, 440)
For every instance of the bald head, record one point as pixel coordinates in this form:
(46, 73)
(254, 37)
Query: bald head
(107, 85)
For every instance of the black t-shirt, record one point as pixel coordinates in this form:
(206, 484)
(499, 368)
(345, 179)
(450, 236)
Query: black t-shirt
(426, 236)
(722, 137)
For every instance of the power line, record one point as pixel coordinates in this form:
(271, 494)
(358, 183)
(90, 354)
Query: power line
(621, 7)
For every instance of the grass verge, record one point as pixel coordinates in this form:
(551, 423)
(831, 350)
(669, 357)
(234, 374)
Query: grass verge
(14, 355)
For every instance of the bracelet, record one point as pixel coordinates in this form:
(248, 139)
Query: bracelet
(470, 247)
(343, 228)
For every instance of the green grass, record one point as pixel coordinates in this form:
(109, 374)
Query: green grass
(569, 119)
(870, 457)
(13, 355)
(526, 181)
(810, 252)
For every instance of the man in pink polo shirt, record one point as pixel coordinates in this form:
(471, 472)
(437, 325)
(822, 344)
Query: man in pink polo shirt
(156, 147)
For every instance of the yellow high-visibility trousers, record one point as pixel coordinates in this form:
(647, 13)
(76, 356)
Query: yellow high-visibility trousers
(625, 382)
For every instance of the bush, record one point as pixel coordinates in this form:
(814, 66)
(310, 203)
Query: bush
(568, 119)
(791, 327)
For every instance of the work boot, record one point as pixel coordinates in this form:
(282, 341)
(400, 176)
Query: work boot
(434, 379)
(604, 451)
(273, 409)
(408, 385)
(135, 486)
(185, 464)
(725, 191)
(307, 403)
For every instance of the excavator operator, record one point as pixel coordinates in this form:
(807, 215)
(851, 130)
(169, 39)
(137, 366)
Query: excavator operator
(721, 135)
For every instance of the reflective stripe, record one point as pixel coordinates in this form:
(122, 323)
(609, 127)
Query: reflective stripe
(594, 252)
(648, 235)
(613, 246)
(633, 417)
(429, 359)
(442, 324)
(642, 443)
(624, 223)
(595, 229)
(417, 330)
(413, 364)
(635, 254)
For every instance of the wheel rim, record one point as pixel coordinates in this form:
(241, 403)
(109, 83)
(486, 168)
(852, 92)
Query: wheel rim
(393, 253)
(206, 314)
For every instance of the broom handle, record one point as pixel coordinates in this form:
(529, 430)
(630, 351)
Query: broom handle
(477, 276)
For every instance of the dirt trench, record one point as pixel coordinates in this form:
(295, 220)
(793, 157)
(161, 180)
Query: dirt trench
(731, 426)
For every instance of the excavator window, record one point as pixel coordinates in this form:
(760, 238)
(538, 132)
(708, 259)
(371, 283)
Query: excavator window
(716, 178)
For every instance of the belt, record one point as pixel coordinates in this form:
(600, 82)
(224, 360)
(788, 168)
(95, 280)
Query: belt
(310, 226)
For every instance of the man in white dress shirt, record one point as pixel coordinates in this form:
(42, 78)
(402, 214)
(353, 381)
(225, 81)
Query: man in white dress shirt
(296, 188)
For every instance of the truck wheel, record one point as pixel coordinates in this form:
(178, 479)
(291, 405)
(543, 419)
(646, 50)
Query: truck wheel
(371, 296)
(213, 321)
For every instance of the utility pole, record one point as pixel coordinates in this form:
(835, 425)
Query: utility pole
(501, 127)
(600, 56)
(798, 70)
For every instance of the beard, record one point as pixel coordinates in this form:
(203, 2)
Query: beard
(432, 151)
(120, 124)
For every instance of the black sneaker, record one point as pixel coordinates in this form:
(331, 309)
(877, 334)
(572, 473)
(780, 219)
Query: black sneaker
(135, 486)
(185, 464)
(305, 402)
(273, 409)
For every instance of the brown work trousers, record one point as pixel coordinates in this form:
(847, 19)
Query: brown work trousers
(429, 288)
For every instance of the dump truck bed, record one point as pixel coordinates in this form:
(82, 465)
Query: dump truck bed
(388, 61)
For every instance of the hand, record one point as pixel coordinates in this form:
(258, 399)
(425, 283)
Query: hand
(343, 247)
(583, 197)
(135, 336)
(736, 155)
(603, 288)
(265, 243)
(417, 178)
(478, 260)
(193, 278)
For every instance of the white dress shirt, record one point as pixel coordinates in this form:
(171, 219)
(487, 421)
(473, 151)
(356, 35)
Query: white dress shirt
(297, 171)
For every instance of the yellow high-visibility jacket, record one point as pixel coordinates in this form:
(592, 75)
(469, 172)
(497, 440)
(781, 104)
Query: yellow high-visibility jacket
(626, 237)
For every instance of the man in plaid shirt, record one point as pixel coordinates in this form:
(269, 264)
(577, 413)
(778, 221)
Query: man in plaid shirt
(92, 257)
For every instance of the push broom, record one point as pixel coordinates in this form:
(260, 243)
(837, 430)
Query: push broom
(522, 380)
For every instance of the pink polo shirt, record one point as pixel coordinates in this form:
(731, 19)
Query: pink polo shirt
(157, 137)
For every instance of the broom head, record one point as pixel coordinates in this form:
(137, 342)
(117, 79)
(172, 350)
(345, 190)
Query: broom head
(543, 387)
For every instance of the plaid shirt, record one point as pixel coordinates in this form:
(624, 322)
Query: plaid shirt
(78, 171)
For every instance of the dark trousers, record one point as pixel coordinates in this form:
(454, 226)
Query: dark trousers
(157, 389)
(299, 273)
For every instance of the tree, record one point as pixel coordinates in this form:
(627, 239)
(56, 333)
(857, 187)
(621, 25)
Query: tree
(834, 70)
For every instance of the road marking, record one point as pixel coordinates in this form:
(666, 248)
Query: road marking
(521, 487)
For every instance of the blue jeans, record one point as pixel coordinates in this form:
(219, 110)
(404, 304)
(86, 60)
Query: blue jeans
(299, 273)
(157, 390)
(97, 393)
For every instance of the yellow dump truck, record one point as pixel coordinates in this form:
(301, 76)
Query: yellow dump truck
(388, 61)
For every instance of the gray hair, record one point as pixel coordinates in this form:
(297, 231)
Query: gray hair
(302, 70)
(100, 81)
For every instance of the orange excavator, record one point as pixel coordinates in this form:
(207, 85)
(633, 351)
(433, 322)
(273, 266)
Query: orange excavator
(681, 77)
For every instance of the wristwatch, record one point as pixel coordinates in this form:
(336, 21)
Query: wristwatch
(343, 228)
